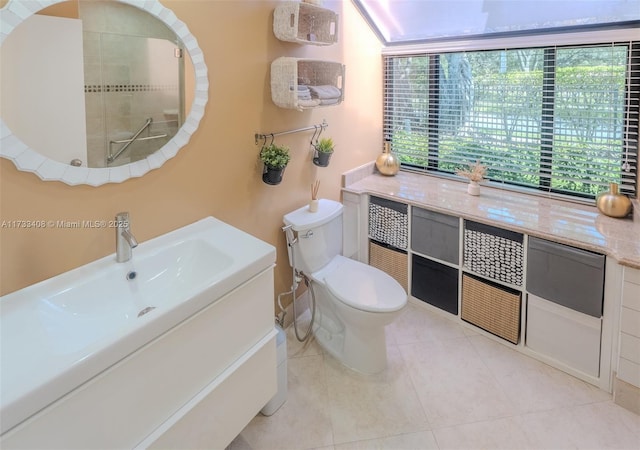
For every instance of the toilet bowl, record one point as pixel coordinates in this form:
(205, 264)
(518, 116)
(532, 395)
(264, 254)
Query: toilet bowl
(354, 301)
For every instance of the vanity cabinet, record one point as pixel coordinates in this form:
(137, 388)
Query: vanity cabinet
(304, 23)
(195, 386)
(629, 360)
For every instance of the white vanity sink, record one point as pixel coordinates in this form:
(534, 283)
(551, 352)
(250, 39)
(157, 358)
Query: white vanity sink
(62, 332)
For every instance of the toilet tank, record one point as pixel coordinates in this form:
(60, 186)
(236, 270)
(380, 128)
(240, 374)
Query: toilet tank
(319, 235)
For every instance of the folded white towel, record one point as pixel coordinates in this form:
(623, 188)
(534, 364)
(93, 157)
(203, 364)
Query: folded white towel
(308, 103)
(325, 92)
(329, 101)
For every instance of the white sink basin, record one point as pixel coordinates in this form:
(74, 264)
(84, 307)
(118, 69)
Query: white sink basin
(59, 333)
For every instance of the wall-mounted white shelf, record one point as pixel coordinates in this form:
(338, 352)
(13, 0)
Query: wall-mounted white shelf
(304, 23)
(298, 83)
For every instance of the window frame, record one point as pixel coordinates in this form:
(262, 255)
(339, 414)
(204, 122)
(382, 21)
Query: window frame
(545, 40)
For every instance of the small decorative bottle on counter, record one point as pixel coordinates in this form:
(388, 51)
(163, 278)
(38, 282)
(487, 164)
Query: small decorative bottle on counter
(388, 163)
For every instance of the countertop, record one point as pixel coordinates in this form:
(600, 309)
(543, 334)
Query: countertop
(561, 221)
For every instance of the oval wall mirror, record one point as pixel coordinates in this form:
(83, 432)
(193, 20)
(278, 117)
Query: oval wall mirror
(97, 91)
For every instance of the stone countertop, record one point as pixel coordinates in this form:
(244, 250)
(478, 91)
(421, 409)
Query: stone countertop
(567, 222)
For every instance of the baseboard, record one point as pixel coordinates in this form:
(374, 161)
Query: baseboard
(626, 395)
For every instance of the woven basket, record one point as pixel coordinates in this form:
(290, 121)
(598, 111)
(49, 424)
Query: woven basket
(494, 253)
(491, 308)
(287, 73)
(305, 24)
(388, 222)
(391, 261)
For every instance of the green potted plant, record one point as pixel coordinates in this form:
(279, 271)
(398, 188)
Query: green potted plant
(275, 159)
(324, 150)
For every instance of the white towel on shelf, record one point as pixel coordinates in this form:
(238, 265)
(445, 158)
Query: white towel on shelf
(329, 101)
(325, 92)
(304, 93)
(308, 103)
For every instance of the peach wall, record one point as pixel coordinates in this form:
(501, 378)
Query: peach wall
(218, 172)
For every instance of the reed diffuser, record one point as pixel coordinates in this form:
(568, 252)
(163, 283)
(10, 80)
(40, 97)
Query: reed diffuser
(313, 205)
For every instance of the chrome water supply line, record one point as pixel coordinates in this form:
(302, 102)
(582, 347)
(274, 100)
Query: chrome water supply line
(297, 277)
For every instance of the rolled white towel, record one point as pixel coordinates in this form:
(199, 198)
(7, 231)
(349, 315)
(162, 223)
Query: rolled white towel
(325, 92)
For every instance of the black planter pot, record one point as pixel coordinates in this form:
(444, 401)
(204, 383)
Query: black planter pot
(322, 159)
(272, 175)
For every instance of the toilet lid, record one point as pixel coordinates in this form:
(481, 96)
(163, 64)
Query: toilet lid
(366, 288)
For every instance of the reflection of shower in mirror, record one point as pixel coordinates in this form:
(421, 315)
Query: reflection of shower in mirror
(97, 94)
(135, 79)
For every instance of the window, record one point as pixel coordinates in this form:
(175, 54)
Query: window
(560, 119)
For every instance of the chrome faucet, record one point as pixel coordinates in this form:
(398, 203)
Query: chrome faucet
(125, 241)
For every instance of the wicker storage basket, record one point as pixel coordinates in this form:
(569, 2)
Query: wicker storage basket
(391, 261)
(492, 308)
(388, 222)
(494, 253)
(305, 24)
(288, 73)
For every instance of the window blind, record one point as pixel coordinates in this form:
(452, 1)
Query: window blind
(560, 119)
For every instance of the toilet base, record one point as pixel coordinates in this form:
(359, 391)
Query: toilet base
(363, 352)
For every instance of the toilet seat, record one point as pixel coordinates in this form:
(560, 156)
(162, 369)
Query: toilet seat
(364, 287)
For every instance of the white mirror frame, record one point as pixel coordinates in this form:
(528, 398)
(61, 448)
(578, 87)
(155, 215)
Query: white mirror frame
(29, 160)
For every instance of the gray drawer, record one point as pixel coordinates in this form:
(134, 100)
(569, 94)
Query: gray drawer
(435, 235)
(566, 275)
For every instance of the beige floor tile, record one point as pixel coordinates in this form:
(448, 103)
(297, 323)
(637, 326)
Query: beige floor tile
(532, 385)
(417, 324)
(372, 406)
(453, 384)
(295, 348)
(303, 421)
(447, 387)
(423, 440)
(601, 425)
(496, 434)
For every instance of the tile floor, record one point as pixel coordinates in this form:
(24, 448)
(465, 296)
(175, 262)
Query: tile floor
(446, 387)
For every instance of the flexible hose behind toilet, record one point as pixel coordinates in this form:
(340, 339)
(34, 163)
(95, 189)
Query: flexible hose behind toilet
(291, 241)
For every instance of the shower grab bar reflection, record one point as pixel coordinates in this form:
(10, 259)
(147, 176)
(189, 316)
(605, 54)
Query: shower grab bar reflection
(148, 138)
(128, 142)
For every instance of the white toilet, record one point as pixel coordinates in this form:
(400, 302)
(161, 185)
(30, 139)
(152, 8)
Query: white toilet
(354, 301)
